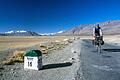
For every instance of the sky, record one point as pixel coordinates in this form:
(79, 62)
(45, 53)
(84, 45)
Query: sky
(46, 16)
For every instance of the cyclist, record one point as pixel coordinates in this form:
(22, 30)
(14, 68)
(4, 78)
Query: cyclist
(97, 31)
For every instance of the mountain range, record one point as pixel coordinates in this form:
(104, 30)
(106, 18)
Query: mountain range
(19, 33)
(27, 33)
(108, 28)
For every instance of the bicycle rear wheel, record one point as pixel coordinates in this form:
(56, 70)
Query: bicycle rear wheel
(99, 48)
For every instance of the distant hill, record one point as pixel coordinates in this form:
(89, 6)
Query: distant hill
(2, 34)
(20, 33)
(108, 27)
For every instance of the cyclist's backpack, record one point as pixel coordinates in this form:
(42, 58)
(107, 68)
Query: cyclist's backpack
(102, 43)
(97, 32)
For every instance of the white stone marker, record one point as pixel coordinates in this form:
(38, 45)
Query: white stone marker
(33, 60)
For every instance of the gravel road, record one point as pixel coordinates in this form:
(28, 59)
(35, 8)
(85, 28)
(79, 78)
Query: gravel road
(57, 65)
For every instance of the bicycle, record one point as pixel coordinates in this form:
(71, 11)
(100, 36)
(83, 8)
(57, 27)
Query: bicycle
(98, 43)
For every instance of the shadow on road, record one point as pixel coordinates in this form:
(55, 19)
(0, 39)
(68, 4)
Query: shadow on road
(106, 56)
(58, 65)
(111, 50)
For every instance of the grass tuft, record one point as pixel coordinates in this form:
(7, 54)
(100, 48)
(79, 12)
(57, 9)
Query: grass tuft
(17, 57)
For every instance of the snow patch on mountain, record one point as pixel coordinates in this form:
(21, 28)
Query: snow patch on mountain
(19, 31)
(47, 34)
(60, 32)
(10, 32)
(22, 31)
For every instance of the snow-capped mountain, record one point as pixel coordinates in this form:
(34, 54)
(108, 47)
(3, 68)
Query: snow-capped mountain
(21, 33)
(47, 34)
(27, 33)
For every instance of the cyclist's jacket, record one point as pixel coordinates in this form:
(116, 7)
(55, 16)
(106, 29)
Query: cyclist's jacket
(97, 32)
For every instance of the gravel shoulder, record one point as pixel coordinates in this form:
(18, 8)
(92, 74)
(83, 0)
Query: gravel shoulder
(58, 65)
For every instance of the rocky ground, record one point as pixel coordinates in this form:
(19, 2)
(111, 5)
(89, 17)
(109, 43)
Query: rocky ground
(57, 65)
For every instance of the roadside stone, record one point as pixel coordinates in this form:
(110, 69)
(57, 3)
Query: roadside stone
(73, 58)
(15, 76)
(12, 69)
(12, 72)
(1, 74)
(1, 68)
(74, 52)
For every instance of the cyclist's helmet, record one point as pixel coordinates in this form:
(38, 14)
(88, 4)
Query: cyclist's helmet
(97, 25)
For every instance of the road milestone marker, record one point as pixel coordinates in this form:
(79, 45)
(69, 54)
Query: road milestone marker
(33, 60)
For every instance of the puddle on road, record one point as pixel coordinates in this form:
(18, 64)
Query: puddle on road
(106, 68)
